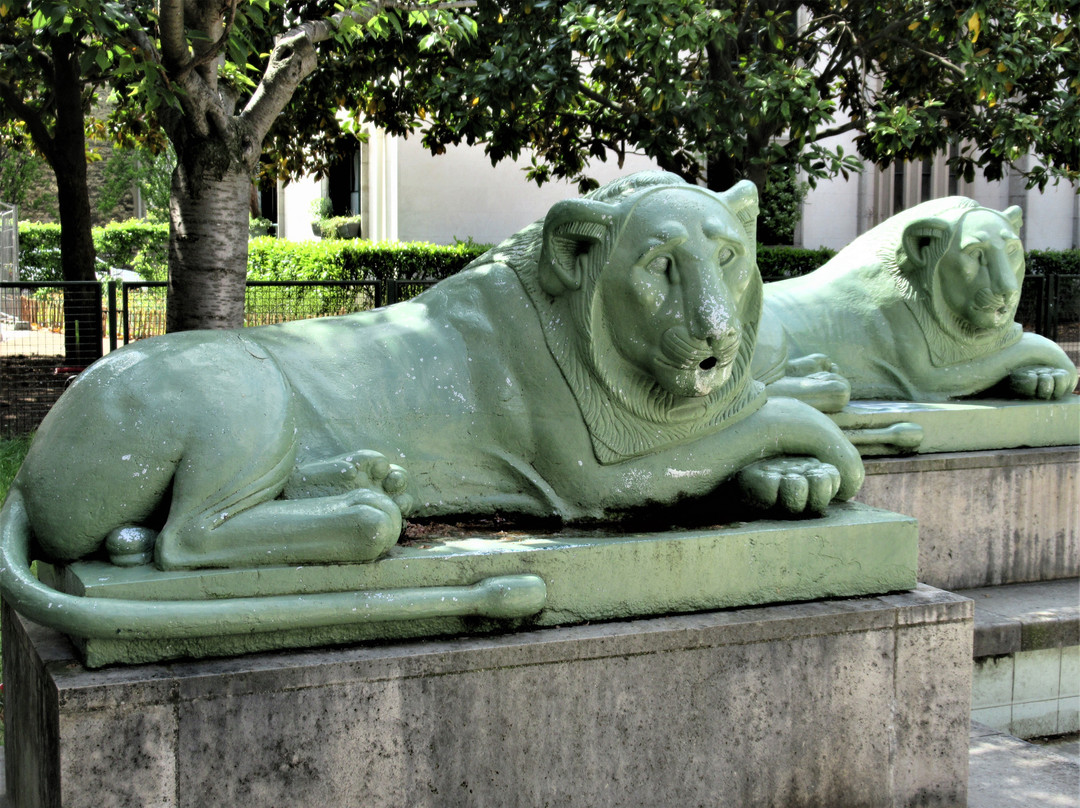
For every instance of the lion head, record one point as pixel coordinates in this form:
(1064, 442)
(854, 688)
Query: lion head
(959, 267)
(649, 297)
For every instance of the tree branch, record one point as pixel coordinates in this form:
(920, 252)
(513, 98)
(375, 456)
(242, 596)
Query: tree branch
(174, 48)
(603, 100)
(211, 53)
(930, 55)
(292, 60)
(39, 132)
(854, 123)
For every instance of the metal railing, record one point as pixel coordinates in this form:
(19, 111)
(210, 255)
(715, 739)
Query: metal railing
(9, 262)
(37, 359)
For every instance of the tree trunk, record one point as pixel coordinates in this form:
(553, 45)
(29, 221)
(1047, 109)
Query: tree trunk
(67, 156)
(208, 233)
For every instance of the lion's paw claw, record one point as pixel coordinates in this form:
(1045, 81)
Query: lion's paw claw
(794, 485)
(361, 470)
(1041, 382)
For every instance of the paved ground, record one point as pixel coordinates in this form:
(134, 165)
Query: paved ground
(35, 343)
(1005, 772)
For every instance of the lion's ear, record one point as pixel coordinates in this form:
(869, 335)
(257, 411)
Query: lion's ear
(571, 228)
(1015, 215)
(925, 241)
(742, 199)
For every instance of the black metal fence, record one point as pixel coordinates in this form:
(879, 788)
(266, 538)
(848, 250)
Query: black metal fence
(40, 351)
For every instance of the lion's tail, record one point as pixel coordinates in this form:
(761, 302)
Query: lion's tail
(500, 597)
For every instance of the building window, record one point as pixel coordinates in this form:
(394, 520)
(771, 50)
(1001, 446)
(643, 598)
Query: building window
(954, 175)
(899, 171)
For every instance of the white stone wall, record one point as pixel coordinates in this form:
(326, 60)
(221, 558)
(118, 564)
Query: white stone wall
(838, 210)
(294, 208)
(460, 194)
(412, 195)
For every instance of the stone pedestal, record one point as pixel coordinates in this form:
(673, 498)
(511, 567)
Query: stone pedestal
(988, 517)
(857, 702)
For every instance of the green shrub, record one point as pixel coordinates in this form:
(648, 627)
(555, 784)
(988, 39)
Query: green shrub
(39, 252)
(331, 228)
(777, 263)
(272, 259)
(136, 245)
(1053, 262)
(781, 206)
(1042, 266)
(12, 452)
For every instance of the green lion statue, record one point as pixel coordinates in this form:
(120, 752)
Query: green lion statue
(590, 366)
(920, 308)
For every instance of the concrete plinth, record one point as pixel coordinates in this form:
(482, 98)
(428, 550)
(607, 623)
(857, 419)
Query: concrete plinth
(903, 427)
(859, 702)
(986, 518)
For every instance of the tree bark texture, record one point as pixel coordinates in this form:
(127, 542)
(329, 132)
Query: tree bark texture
(208, 234)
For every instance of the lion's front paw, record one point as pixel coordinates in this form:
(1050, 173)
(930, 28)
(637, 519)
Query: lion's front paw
(1041, 382)
(793, 484)
(359, 470)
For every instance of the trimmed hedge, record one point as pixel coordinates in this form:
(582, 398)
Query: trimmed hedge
(271, 259)
(134, 245)
(1053, 262)
(143, 248)
(39, 252)
(777, 263)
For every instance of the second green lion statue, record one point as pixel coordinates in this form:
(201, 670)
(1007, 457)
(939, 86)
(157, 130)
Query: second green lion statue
(920, 308)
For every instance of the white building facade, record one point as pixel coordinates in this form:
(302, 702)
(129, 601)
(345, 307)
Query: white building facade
(404, 193)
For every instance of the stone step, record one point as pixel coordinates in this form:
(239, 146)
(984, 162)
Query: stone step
(1026, 677)
(1025, 617)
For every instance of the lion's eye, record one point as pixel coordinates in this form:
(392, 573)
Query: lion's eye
(660, 265)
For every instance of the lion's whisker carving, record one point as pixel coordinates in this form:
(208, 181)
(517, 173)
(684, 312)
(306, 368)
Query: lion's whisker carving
(682, 351)
(987, 300)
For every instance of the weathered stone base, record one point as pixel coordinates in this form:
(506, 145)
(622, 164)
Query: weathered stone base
(861, 702)
(974, 424)
(986, 518)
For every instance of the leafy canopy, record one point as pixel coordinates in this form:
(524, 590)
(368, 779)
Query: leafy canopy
(723, 89)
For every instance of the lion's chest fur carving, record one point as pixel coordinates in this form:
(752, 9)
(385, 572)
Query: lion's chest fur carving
(919, 308)
(594, 365)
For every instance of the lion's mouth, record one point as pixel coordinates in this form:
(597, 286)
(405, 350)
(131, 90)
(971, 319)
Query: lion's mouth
(990, 303)
(683, 352)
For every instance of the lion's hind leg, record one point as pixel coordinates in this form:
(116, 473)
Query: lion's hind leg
(252, 526)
